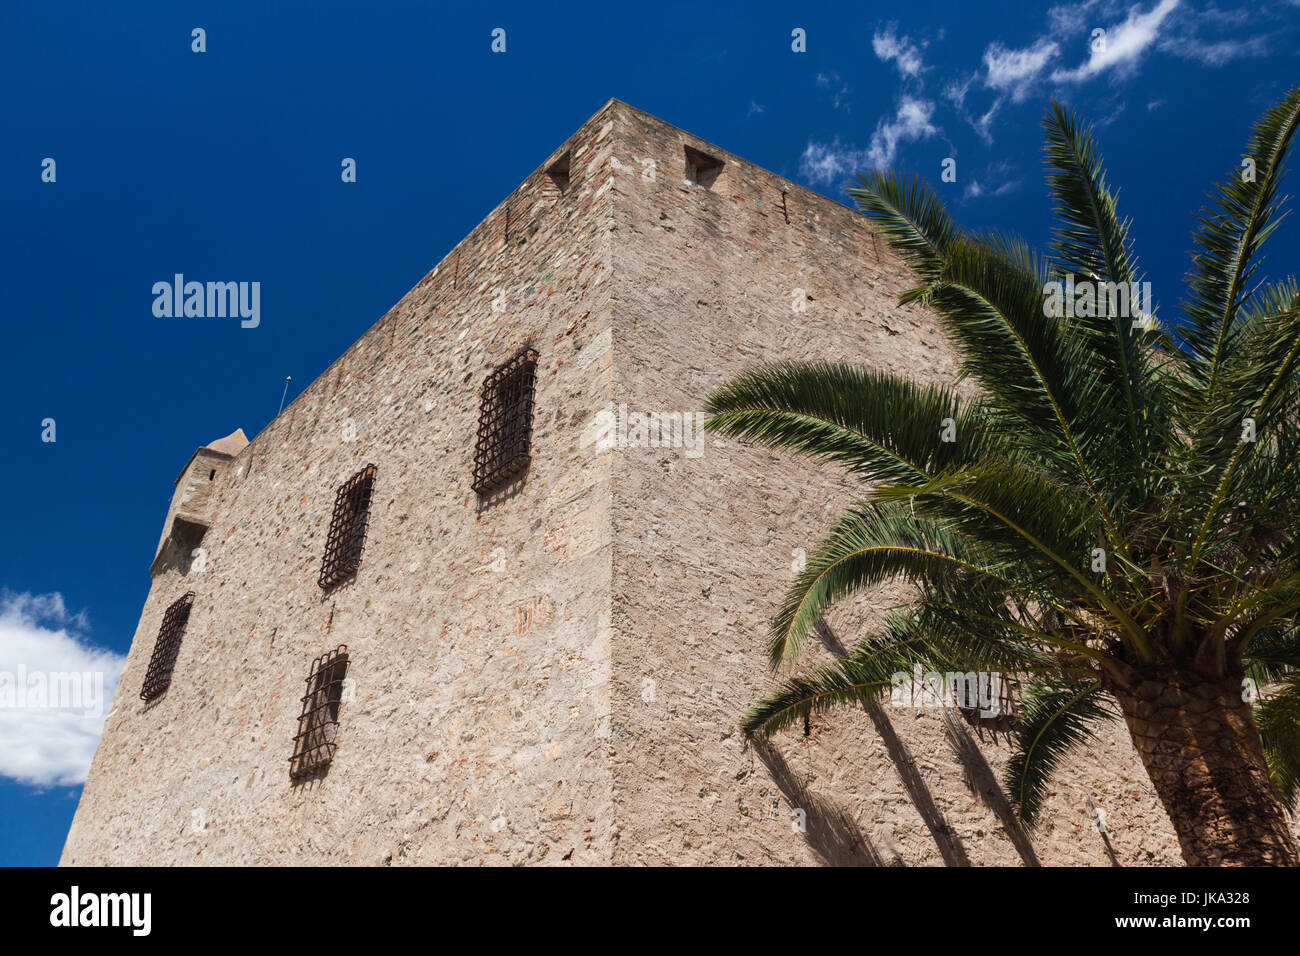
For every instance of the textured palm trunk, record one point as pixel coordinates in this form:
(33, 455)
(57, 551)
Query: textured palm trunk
(1201, 749)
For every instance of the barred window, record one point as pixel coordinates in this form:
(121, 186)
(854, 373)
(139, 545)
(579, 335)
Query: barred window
(318, 725)
(159, 675)
(347, 528)
(505, 422)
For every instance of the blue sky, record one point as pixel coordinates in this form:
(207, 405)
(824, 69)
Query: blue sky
(225, 165)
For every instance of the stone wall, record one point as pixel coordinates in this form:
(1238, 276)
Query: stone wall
(706, 284)
(477, 632)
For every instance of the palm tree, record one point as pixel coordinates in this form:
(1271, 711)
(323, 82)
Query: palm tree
(1116, 520)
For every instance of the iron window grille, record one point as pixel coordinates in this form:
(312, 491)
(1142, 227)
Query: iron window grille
(158, 677)
(317, 737)
(505, 422)
(347, 528)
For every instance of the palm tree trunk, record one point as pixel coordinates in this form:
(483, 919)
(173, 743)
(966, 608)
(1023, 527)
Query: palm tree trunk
(1200, 746)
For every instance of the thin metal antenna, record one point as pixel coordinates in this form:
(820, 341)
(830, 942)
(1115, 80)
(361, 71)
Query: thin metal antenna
(287, 380)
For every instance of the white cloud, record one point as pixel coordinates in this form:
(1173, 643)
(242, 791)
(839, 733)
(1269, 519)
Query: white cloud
(1014, 71)
(1124, 44)
(54, 691)
(976, 189)
(911, 122)
(984, 125)
(1069, 20)
(839, 90)
(955, 92)
(901, 51)
(831, 163)
(1132, 29)
(995, 181)
(1215, 53)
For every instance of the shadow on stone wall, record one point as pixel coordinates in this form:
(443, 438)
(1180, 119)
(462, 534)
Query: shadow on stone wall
(501, 494)
(829, 830)
(945, 837)
(984, 784)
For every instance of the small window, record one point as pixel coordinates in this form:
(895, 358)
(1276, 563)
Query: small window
(212, 474)
(505, 423)
(347, 528)
(701, 169)
(318, 725)
(558, 172)
(159, 675)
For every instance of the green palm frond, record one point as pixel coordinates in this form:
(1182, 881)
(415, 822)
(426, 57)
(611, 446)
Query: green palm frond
(1090, 238)
(1245, 211)
(991, 302)
(1054, 718)
(1019, 515)
(1102, 514)
(870, 543)
(875, 665)
(1278, 716)
(911, 217)
(1092, 243)
(1273, 652)
(878, 426)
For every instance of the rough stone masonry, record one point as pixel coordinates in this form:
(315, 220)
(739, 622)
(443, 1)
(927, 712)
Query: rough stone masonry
(555, 673)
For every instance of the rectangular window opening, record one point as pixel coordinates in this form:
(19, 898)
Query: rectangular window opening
(558, 172)
(702, 169)
(503, 448)
(317, 738)
(158, 677)
(347, 533)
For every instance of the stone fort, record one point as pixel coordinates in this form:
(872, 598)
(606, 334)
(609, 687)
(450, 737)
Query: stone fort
(457, 604)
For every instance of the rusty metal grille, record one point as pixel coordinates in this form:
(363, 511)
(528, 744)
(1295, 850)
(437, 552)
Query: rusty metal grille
(317, 737)
(505, 422)
(159, 675)
(347, 528)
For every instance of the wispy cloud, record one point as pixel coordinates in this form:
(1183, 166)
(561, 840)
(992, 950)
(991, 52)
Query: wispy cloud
(911, 122)
(838, 89)
(1123, 46)
(48, 737)
(826, 164)
(996, 180)
(1113, 39)
(902, 51)
(1216, 53)
(1014, 71)
(832, 163)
